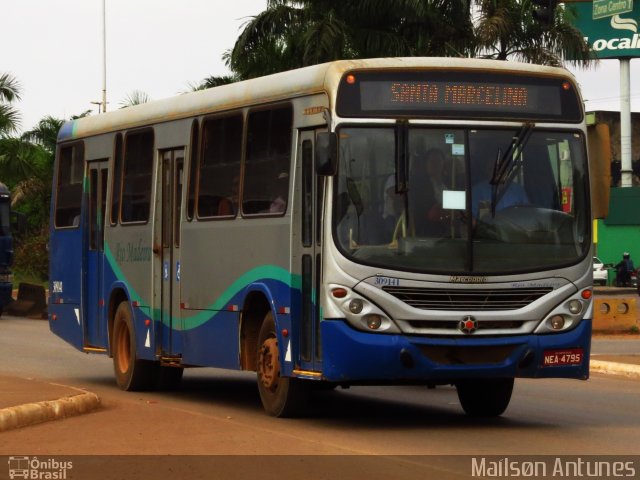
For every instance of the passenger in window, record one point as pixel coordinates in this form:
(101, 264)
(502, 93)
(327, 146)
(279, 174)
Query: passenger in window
(279, 202)
(228, 206)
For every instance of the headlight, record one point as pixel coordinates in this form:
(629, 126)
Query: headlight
(556, 322)
(360, 311)
(574, 306)
(567, 314)
(373, 321)
(356, 305)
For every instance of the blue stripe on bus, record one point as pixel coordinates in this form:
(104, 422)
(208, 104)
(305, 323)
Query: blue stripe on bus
(68, 131)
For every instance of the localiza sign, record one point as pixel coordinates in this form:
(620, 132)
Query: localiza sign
(616, 36)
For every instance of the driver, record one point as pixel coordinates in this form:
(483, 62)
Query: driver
(481, 193)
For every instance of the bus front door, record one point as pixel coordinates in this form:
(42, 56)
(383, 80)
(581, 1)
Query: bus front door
(168, 208)
(310, 225)
(94, 308)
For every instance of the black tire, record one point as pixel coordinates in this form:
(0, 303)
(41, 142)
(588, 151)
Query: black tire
(131, 373)
(487, 397)
(281, 396)
(169, 378)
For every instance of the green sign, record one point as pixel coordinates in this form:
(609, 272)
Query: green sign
(609, 37)
(609, 8)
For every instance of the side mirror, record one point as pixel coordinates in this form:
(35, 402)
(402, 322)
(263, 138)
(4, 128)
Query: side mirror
(326, 153)
(599, 168)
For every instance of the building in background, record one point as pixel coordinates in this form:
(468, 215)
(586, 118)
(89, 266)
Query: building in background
(620, 231)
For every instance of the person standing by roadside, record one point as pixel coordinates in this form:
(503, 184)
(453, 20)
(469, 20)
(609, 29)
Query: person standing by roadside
(623, 270)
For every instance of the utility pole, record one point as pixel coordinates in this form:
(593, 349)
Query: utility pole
(104, 56)
(626, 168)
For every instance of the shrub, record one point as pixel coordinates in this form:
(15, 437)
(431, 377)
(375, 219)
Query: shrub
(31, 256)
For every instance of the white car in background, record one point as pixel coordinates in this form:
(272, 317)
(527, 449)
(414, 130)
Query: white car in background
(600, 272)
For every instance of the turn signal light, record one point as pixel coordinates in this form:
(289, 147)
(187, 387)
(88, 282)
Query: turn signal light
(339, 292)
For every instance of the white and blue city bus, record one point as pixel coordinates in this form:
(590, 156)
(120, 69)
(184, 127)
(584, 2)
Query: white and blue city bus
(384, 221)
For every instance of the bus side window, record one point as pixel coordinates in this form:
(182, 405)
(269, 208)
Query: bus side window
(69, 187)
(194, 150)
(219, 173)
(136, 182)
(266, 179)
(116, 182)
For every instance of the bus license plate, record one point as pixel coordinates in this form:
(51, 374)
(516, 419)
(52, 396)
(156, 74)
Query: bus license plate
(554, 358)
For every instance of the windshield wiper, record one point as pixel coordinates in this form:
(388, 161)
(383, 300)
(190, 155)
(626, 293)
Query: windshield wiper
(506, 166)
(402, 157)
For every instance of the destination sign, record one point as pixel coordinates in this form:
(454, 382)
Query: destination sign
(475, 94)
(454, 94)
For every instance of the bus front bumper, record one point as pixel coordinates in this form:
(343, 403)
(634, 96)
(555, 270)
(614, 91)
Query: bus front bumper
(351, 356)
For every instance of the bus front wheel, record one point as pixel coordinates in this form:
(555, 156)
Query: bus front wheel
(131, 373)
(281, 396)
(486, 397)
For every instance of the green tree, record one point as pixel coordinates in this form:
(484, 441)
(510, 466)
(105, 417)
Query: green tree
(506, 29)
(212, 81)
(9, 93)
(296, 33)
(136, 97)
(26, 165)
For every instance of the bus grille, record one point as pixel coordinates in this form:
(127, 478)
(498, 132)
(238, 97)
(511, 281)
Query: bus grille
(456, 355)
(470, 299)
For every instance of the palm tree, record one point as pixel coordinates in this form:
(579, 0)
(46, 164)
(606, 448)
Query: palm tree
(19, 160)
(296, 33)
(136, 97)
(211, 82)
(506, 29)
(9, 92)
(45, 133)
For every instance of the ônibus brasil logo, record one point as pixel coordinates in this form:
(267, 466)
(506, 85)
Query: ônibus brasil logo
(36, 469)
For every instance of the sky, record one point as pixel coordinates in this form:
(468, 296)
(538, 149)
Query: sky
(160, 47)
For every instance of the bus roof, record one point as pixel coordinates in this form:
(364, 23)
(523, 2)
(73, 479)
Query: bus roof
(272, 88)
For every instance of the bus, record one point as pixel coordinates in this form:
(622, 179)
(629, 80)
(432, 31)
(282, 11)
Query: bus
(363, 222)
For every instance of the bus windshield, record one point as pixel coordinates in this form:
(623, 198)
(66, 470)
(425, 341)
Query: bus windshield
(461, 200)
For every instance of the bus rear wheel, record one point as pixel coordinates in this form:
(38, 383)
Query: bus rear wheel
(486, 397)
(281, 396)
(131, 373)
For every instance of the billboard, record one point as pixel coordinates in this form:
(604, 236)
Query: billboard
(615, 36)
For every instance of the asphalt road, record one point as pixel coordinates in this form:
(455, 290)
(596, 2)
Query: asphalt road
(219, 412)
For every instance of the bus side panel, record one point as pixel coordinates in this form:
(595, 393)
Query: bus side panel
(130, 266)
(207, 334)
(211, 344)
(145, 345)
(221, 261)
(65, 316)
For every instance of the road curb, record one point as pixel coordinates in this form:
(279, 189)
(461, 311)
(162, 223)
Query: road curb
(614, 368)
(39, 412)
